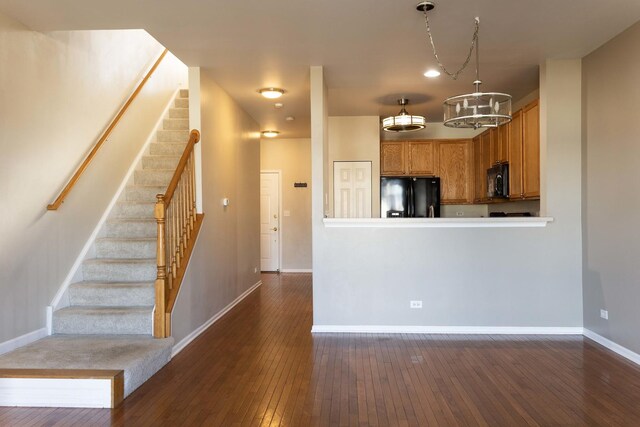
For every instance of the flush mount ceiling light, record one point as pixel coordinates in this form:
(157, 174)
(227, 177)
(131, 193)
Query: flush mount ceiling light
(473, 110)
(432, 74)
(271, 92)
(403, 122)
(270, 133)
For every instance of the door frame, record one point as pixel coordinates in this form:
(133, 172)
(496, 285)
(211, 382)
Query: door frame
(278, 172)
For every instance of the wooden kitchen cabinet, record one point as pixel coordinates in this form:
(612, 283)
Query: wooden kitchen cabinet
(504, 135)
(455, 171)
(477, 170)
(487, 160)
(531, 151)
(413, 158)
(422, 159)
(524, 153)
(392, 158)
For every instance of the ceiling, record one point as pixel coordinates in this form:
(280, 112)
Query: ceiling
(373, 51)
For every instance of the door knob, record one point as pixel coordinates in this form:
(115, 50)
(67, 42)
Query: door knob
(275, 228)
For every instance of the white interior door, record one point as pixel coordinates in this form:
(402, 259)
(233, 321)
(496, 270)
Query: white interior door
(352, 189)
(269, 221)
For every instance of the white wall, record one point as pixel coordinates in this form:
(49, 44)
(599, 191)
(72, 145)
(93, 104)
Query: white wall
(228, 247)
(491, 277)
(610, 181)
(59, 91)
(293, 158)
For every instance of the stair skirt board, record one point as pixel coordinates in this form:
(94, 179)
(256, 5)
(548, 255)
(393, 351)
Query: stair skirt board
(73, 388)
(56, 303)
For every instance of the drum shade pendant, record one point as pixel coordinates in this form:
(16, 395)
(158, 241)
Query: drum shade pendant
(403, 122)
(473, 110)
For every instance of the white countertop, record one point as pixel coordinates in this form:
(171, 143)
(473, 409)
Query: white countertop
(497, 222)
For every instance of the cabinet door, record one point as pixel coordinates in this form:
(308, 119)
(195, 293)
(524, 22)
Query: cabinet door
(487, 162)
(531, 151)
(422, 158)
(504, 135)
(515, 156)
(477, 169)
(493, 134)
(392, 158)
(455, 171)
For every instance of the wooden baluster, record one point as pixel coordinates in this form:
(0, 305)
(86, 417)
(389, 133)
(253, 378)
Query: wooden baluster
(169, 238)
(174, 229)
(159, 325)
(185, 198)
(192, 192)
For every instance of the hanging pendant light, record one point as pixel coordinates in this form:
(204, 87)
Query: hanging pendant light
(403, 122)
(474, 110)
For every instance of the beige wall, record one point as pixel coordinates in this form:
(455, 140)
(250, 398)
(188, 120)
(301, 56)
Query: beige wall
(58, 91)
(226, 259)
(611, 173)
(293, 158)
(356, 138)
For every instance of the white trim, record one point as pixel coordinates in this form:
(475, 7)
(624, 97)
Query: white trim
(83, 253)
(296, 270)
(193, 335)
(49, 320)
(616, 348)
(22, 340)
(56, 392)
(195, 122)
(280, 218)
(437, 222)
(484, 330)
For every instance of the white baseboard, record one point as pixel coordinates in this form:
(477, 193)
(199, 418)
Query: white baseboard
(22, 340)
(616, 348)
(493, 330)
(83, 253)
(55, 392)
(296, 270)
(193, 335)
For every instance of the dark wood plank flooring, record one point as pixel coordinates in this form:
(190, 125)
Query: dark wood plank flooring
(259, 365)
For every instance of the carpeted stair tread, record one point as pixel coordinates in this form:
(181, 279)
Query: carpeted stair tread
(139, 356)
(116, 294)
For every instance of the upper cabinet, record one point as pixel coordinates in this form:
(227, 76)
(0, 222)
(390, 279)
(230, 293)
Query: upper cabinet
(515, 156)
(414, 158)
(455, 171)
(531, 151)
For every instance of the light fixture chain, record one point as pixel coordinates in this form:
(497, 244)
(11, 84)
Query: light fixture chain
(474, 41)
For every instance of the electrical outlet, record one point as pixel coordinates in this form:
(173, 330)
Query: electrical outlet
(255, 269)
(459, 213)
(415, 304)
(604, 314)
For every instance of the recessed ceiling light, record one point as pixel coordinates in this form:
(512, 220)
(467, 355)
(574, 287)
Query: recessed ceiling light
(271, 92)
(278, 105)
(432, 74)
(289, 118)
(270, 133)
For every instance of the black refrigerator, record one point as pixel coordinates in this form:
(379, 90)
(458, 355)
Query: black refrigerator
(409, 197)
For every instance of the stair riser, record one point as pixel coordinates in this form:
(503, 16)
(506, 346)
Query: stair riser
(133, 210)
(116, 272)
(167, 149)
(172, 136)
(152, 177)
(115, 296)
(97, 324)
(143, 194)
(184, 93)
(182, 103)
(125, 249)
(131, 229)
(178, 113)
(160, 162)
(175, 124)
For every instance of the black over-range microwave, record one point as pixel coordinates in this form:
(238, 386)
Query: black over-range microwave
(498, 180)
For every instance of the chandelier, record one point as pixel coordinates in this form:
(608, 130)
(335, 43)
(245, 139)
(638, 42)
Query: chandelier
(473, 110)
(403, 122)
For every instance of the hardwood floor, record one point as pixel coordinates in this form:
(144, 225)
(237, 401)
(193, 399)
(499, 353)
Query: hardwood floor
(260, 365)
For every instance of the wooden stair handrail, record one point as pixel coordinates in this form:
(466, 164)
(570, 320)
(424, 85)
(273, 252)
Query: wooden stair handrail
(178, 225)
(76, 176)
(194, 138)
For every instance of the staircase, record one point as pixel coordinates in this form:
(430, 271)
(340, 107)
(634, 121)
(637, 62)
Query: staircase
(116, 295)
(102, 347)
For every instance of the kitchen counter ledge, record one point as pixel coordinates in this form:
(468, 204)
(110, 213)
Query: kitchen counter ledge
(499, 222)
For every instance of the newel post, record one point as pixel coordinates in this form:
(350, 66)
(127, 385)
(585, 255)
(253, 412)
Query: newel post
(159, 324)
